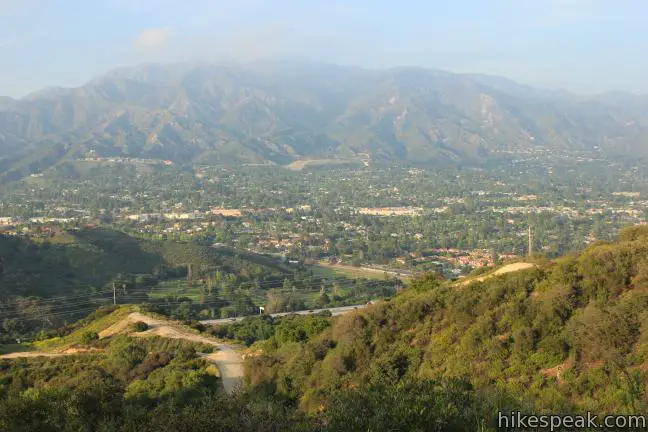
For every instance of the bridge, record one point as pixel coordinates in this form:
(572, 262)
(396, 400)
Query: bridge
(334, 312)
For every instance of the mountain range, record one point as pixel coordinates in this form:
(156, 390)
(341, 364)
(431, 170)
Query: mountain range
(282, 111)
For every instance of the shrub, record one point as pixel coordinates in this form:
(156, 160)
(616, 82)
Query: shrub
(198, 326)
(124, 354)
(89, 337)
(141, 326)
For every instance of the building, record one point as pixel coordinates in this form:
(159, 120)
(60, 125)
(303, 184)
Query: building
(6, 221)
(390, 211)
(226, 212)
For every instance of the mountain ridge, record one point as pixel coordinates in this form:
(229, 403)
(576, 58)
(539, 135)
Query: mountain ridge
(280, 112)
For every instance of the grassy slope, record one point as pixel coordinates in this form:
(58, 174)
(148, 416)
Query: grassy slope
(74, 338)
(175, 287)
(74, 260)
(112, 321)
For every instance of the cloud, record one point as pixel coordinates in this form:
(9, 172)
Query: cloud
(228, 44)
(154, 38)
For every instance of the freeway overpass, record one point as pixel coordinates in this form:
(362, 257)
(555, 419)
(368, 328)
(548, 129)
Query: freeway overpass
(334, 311)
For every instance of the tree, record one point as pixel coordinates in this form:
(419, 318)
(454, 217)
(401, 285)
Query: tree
(429, 281)
(323, 300)
(276, 301)
(611, 334)
(288, 285)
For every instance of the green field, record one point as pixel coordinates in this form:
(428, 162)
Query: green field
(175, 287)
(349, 272)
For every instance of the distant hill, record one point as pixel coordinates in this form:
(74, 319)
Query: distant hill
(281, 112)
(86, 260)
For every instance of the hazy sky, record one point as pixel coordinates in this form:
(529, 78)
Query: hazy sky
(582, 45)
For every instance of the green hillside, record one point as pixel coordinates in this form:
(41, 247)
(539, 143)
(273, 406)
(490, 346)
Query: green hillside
(91, 258)
(102, 374)
(568, 336)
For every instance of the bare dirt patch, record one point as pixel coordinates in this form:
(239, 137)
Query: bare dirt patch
(558, 370)
(509, 268)
(81, 350)
(30, 354)
(116, 328)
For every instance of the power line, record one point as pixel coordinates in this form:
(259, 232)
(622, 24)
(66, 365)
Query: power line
(264, 286)
(53, 299)
(146, 297)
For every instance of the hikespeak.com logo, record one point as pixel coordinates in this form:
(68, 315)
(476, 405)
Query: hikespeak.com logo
(516, 420)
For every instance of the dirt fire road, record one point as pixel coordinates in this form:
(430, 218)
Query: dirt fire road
(226, 356)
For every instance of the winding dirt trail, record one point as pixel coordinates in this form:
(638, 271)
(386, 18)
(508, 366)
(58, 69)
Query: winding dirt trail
(230, 364)
(27, 354)
(226, 356)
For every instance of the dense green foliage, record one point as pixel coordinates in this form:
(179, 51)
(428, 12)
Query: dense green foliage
(291, 328)
(101, 407)
(160, 384)
(141, 326)
(89, 337)
(567, 336)
(417, 407)
(150, 370)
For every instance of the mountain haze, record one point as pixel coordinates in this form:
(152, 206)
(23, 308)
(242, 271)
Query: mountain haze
(284, 111)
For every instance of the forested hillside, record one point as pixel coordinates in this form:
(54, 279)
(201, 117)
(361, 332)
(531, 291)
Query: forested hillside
(70, 260)
(56, 278)
(566, 336)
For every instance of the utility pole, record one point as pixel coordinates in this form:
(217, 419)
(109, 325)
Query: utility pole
(530, 241)
(114, 293)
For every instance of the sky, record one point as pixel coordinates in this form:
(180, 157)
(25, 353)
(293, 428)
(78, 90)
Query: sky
(585, 46)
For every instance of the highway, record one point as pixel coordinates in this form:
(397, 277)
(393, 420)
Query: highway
(334, 311)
